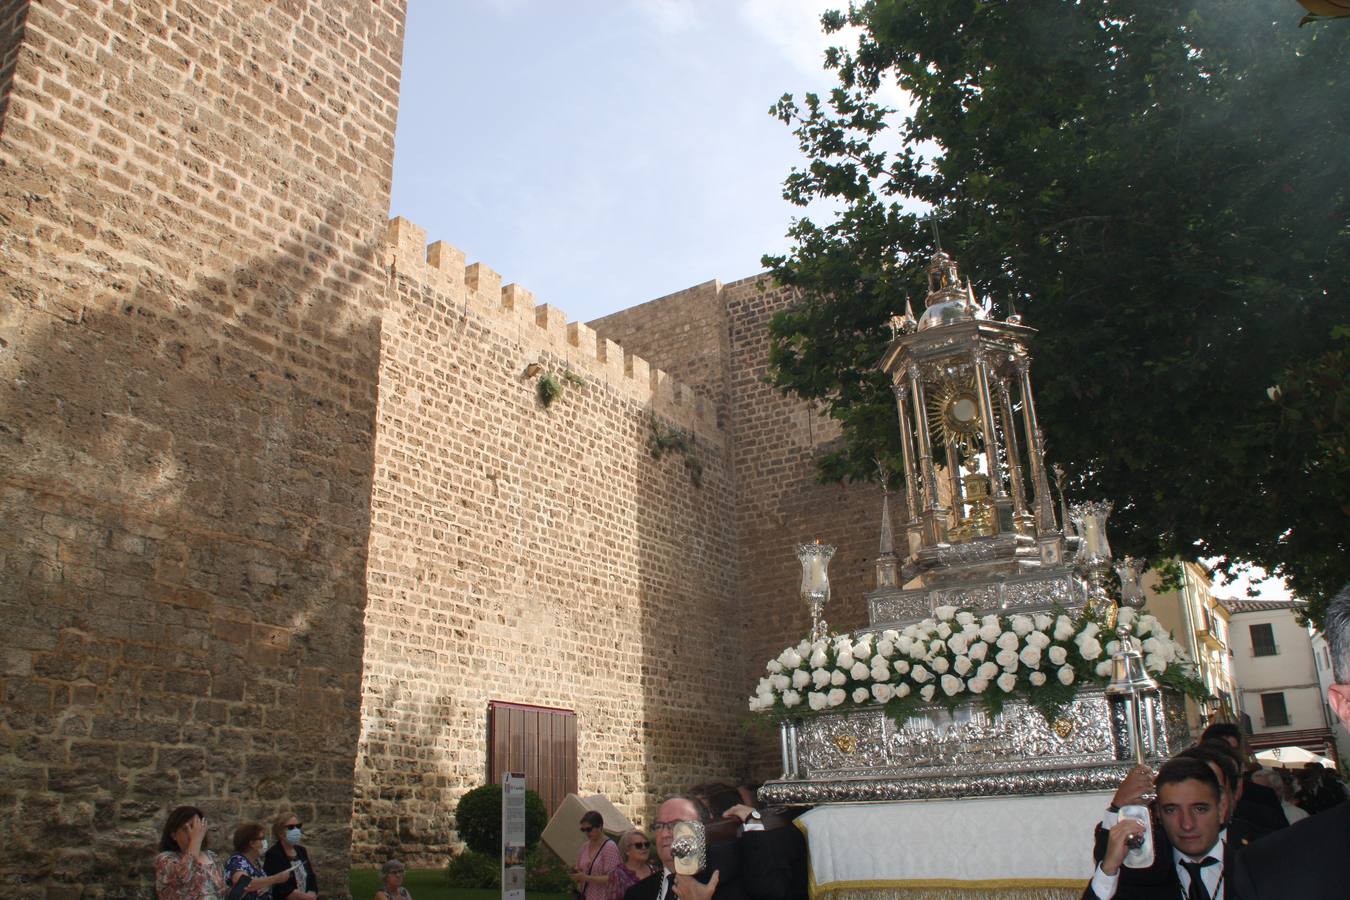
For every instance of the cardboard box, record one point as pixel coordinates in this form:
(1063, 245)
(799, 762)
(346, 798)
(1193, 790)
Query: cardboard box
(563, 834)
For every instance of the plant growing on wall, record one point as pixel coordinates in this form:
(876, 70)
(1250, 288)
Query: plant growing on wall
(663, 439)
(551, 385)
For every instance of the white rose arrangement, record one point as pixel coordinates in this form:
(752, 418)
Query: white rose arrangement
(957, 656)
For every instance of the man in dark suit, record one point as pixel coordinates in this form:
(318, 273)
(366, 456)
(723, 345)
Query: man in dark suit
(1192, 808)
(1309, 859)
(1257, 804)
(664, 883)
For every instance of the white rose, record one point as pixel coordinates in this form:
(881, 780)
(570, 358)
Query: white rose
(1089, 631)
(1155, 663)
(1030, 656)
(971, 631)
(791, 698)
(843, 644)
(928, 691)
(882, 692)
(901, 666)
(1007, 641)
(902, 690)
(990, 621)
(1126, 616)
(962, 664)
(1063, 628)
(978, 650)
(885, 648)
(977, 685)
(861, 695)
(990, 633)
(790, 658)
(820, 677)
(820, 659)
(774, 666)
(862, 652)
(957, 643)
(920, 674)
(844, 659)
(1022, 625)
(1007, 659)
(1162, 633)
(945, 612)
(1090, 649)
(918, 650)
(781, 682)
(1169, 651)
(1153, 645)
(1148, 623)
(890, 634)
(881, 672)
(1103, 668)
(987, 671)
(940, 665)
(815, 700)
(801, 678)
(1007, 682)
(1042, 621)
(904, 644)
(837, 677)
(1065, 675)
(951, 685)
(944, 630)
(928, 624)
(1038, 639)
(836, 696)
(1037, 678)
(859, 671)
(965, 618)
(937, 647)
(1112, 648)
(1058, 655)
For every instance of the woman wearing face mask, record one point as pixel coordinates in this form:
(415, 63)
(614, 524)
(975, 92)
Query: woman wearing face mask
(287, 856)
(250, 843)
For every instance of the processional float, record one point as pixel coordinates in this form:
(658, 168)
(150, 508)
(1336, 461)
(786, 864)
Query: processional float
(981, 535)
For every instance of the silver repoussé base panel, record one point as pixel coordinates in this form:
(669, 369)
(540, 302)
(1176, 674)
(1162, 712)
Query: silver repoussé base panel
(861, 755)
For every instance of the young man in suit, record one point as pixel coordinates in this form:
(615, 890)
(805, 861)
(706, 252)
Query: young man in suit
(1309, 859)
(1192, 808)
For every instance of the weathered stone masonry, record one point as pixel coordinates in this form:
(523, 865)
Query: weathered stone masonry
(280, 511)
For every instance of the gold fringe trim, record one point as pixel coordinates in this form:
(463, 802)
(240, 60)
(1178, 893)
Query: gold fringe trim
(1017, 889)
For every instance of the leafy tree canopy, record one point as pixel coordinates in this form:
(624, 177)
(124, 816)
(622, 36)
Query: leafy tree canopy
(1161, 189)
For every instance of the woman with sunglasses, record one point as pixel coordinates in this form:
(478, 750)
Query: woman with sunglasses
(636, 865)
(597, 858)
(287, 855)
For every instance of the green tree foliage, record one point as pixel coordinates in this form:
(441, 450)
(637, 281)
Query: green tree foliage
(478, 819)
(1161, 189)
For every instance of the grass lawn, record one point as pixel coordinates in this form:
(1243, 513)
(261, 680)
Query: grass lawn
(426, 884)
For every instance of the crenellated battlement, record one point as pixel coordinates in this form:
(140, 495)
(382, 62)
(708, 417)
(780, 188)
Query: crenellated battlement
(541, 328)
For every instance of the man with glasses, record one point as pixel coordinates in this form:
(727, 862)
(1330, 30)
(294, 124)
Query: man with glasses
(664, 884)
(1308, 859)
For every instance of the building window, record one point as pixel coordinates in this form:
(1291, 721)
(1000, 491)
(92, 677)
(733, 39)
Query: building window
(1263, 640)
(1273, 710)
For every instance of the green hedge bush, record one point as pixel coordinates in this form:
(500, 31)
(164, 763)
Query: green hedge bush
(478, 819)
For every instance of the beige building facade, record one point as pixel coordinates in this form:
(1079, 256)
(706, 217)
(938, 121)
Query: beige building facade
(1200, 623)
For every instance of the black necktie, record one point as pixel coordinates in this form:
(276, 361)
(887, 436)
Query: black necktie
(1198, 891)
(670, 885)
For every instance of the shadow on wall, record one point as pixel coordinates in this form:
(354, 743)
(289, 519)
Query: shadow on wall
(186, 488)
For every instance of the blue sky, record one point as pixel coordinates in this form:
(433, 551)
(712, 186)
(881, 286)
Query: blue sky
(602, 154)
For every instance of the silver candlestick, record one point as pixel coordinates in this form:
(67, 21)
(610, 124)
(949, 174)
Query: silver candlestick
(815, 560)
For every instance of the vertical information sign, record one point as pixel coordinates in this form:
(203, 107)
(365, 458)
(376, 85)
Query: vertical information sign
(513, 836)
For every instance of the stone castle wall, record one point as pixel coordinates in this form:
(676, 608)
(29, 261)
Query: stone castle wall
(280, 511)
(534, 554)
(193, 198)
